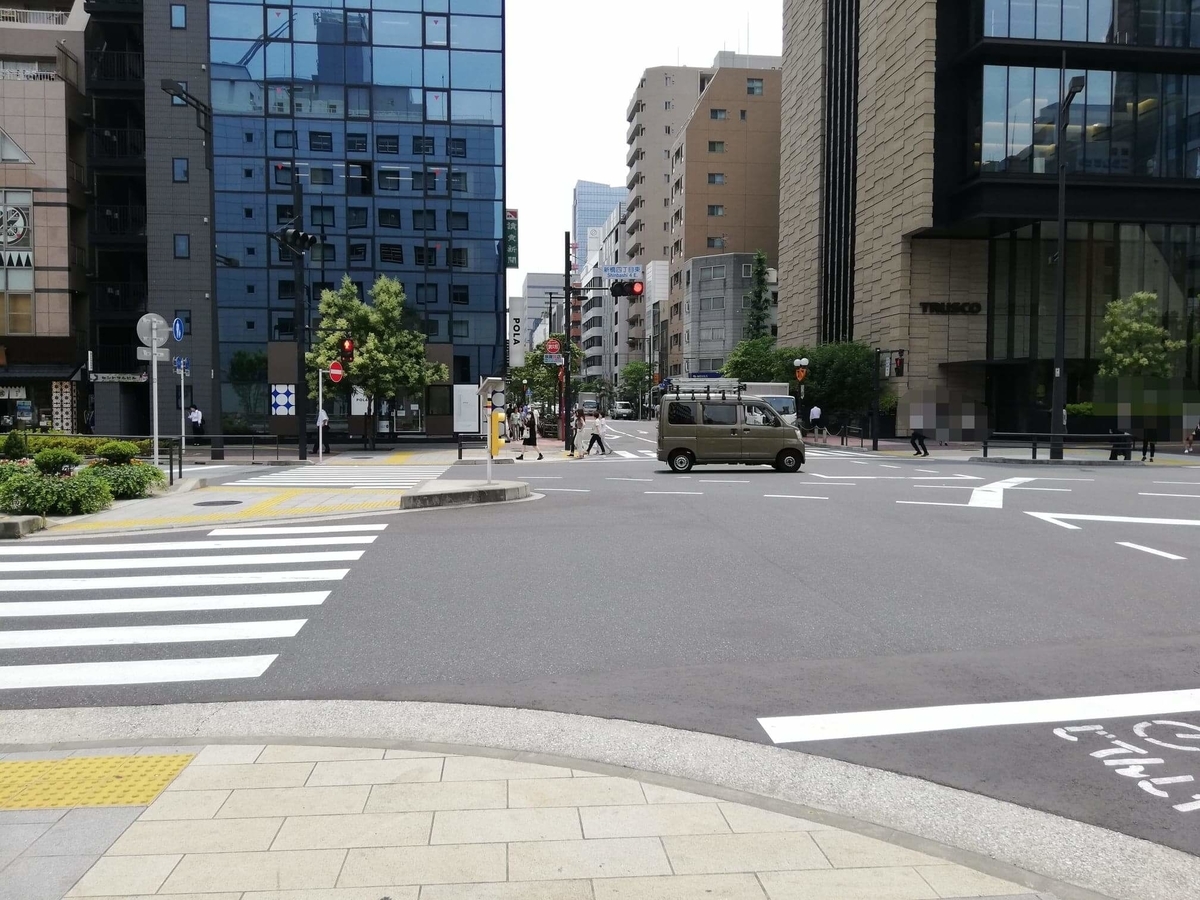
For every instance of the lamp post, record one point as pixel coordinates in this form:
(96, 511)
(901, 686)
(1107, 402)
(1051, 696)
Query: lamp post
(204, 123)
(801, 365)
(1058, 419)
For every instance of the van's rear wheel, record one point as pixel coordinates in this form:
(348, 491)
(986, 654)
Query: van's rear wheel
(681, 461)
(788, 461)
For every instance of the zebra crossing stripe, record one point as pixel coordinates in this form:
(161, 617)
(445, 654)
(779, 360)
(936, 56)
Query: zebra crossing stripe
(626, 454)
(149, 634)
(180, 562)
(298, 529)
(30, 608)
(157, 546)
(138, 671)
(196, 579)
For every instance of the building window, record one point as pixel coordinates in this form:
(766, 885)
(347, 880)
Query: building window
(283, 173)
(712, 334)
(427, 294)
(743, 115)
(178, 101)
(391, 253)
(708, 273)
(324, 252)
(356, 217)
(247, 212)
(322, 215)
(460, 328)
(422, 146)
(183, 246)
(716, 243)
(708, 304)
(458, 181)
(356, 143)
(715, 209)
(716, 146)
(358, 253)
(424, 181)
(320, 141)
(388, 143)
(666, 104)
(178, 16)
(185, 316)
(424, 219)
(389, 218)
(284, 213)
(248, 173)
(320, 175)
(456, 147)
(718, 114)
(667, 129)
(389, 179)
(747, 270)
(716, 177)
(249, 137)
(287, 289)
(460, 294)
(425, 256)
(358, 180)
(460, 221)
(285, 140)
(754, 87)
(179, 169)
(459, 257)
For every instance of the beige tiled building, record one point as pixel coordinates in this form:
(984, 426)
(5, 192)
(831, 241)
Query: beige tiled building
(43, 309)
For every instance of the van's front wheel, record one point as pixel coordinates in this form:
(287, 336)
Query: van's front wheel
(788, 461)
(681, 461)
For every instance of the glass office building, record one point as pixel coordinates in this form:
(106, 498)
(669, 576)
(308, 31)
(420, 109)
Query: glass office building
(591, 205)
(390, 115)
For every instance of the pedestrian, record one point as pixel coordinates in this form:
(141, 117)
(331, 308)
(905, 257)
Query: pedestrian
(918, 437)
(814, 420)
(597, 434)
(1149, 441)
(197, 419)
(322, 424)
(1192, 436)
(531, 435)
(577, 434)
(1122, 445)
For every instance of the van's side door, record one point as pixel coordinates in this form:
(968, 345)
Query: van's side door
(718, 436)
(763, 432)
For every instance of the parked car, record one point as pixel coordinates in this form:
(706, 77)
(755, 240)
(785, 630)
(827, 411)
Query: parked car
(622, 410)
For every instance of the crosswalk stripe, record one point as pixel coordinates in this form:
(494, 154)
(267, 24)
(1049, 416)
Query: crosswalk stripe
(69, 549)
(299, 529)
(149, 634)
(180, 562)
(140, 671)
(626, 454)
(195, 579)
(30, 608)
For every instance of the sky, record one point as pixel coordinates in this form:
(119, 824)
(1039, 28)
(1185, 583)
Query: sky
(572, 67)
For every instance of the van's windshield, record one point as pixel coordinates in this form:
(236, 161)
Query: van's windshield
(785, 406)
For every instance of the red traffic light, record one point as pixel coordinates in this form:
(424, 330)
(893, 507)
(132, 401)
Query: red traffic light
(637, 288)
(346, 349)
(627, 288)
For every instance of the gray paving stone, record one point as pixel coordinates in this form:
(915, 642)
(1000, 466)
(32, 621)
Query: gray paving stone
(30, 816)
(84, 832)
(42, 878)
(14, 839)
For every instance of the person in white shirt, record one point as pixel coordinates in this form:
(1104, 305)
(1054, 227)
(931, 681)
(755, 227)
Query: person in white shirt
(197, 419)
(598, 426)
(814, 420)
(322, 424)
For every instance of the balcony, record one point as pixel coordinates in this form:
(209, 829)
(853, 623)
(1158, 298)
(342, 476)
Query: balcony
(634, 130)
(116, 358)
(113, 7)
(634, 178)
(118, 299)
(107, 221)
(634, 221)
(116, 145)
(115, 68)
(31, 17)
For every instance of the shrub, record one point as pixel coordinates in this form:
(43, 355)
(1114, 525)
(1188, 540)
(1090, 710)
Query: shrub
(15, 446)
(9, 469)
(80, 494)
(56, 461)
(128, 482)
(28, 493)
(1080, 409)
(117, 453)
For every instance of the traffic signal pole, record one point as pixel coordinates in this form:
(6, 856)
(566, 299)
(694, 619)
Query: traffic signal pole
(568, 419)
(300, 323)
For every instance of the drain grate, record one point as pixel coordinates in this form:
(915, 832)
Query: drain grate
(218, 503)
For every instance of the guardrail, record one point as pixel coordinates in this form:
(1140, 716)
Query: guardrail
(472, 441)
(253, 441)
(32, 17)
(1119, 444)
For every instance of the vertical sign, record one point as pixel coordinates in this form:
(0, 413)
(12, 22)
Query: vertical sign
(517, 312)
(510, 239)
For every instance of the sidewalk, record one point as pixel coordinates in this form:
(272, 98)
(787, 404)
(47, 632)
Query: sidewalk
(298, 822)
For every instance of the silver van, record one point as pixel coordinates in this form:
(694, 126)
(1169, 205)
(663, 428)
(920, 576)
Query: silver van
(730, 428)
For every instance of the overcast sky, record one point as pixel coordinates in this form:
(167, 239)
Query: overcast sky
(572, 69)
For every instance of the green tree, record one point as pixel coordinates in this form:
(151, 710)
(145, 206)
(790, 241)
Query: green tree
(541, 378)
(839, 379)
(1134, 341)
(635, 382)
(753, 360)
(389, 354)
(758, 318)
(248, 377)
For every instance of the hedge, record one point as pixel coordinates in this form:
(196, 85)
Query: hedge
(30, 493)
(130, 481)
(56, 461)
(22, 444)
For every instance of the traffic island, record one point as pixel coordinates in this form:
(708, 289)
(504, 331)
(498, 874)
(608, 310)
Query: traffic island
(439, 493)
(19, 526)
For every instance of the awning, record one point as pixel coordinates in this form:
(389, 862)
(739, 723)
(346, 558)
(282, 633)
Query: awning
(23, 372)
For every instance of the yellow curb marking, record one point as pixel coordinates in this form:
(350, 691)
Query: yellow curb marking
(87, 781)
(241, 515)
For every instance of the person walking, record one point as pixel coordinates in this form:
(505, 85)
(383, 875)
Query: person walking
(597, 434)
(814, 421)
(322, 424)
(531, 434)
(197, 419)
(918, 437)
(1149, 440)
(577, 434)
(1192, 436)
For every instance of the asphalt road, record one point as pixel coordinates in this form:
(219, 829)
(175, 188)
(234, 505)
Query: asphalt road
(710, 601)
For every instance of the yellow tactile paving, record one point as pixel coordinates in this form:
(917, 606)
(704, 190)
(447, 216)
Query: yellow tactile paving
(87, 781)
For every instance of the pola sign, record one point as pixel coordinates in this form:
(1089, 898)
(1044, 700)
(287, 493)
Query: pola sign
(517, 309)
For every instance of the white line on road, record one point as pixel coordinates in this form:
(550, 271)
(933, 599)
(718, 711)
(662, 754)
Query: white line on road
(947, 487)
(149, 634)
(904, 477)
(1148, 494)
(721, 481)
(625, 454)
(991, 496)
(1161, 553)
(918, 720)
(139, 671)
(30, 608)
(300, 529)
(928, 471)
(195, 579)
(792, 497)
(886, 466)
(1181, 483)
(157, 546)
(180, 562)
(565, 490)
(629, 479)
(1055, 490)
(543, 478)
(675, 493)
(1063, 520)
(932, 503)
(634, 436)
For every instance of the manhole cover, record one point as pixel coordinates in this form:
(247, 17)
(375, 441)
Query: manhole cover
(217, 503)
(362, 457)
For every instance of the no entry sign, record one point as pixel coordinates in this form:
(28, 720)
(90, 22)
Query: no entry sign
(336, 372)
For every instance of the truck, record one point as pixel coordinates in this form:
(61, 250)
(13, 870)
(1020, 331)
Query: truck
(777, 394)
(589, 402)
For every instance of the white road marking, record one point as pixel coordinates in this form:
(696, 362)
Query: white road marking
(947, 487)
(157, 546)
(886, 466)
(1181, 483)
(612, 430)
(1147, 494)
(643, 432)
(141, 671)
(543, 478)
(904, 477)
(720, 481)
(564, 490)
(30, 608)
(195, 579)
(928, 471)
(826, 484)
(919, 720)
(629, 479)
(991, 496)
(299, 529)
(149, 634)
(1055, 490)
(181, 562)
(625, 454)
(1047, 478)
(1161, 553)
(1063, 520)
(675, 493)
(792, 497)
(932, 503)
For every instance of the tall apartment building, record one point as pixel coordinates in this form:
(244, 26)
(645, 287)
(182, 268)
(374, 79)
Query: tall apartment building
(543, 296)
(43, 216)
(723, 199)
(919, 189)
(591, 205)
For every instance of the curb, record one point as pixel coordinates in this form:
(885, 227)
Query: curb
(12, 527)
(483, 462)
(1013, 460)
(469, 495)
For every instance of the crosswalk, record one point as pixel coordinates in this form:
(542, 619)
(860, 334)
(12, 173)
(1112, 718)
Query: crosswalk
(346, 477)
(217, 574)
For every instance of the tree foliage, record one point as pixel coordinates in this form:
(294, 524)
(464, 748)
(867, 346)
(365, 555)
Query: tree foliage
(759, 316)
(753, 360)
(839, 375)
(1134, 341)
(248, 376)
(635, 381)
(389, 353)
(542, 378)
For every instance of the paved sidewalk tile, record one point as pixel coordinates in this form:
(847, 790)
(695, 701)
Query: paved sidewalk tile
(125, 875)
(298, 801)
(15, 839)
(748, 819)
(893, 883)
(574, 792)
(376, 771)
(462, 795)
(42, 877)
(30, 816)
(846, 850)
(482, 826)
(658, 794)
(196, 836)
(449, 864)
(85, 832)
(959, 881)
(277, 870)
(680, 887)
(468, 768)
(714, 853)
(393, 892)
(652, 820)
(512, 890)
(210, 778)
(363, 830)
(185, 805)
(609, 858)
(302, 753)
(227, 754)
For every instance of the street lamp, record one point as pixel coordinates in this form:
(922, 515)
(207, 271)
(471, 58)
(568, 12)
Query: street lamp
(204, 122)
(801, 365)
(1058, 416)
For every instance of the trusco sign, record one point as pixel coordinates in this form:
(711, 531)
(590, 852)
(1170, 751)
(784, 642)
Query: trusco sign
(952, 309)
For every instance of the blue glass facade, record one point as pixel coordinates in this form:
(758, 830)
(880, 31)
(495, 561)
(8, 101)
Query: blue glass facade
(591, 206)
(390, 113)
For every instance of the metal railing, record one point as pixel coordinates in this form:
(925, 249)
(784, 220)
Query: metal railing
(115, 65)
(167, 446)
(28, 75)
(117, 143)
(259, 444)
(115, 358)
(472, 442)
(119, 297)
(118, 220)
(76, 173)
(1118, 444)
(31, 16)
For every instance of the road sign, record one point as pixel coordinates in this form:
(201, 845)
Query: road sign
(622, 273)
(510, 239)
(181, 362)
(177, 329)
(498, 399)
(801, 373)
(336, 372)
(162, 332)
(553, 346)
(162, 354)
(553, 359)
(119, 377)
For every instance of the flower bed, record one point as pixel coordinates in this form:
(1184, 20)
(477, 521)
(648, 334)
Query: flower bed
(54, 484)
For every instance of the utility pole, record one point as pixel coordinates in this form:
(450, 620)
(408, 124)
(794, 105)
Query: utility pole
(300, 323)
(567, 419)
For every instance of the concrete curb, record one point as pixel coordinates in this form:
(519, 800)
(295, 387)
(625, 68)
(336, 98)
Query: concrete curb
(434, 494)
(1019, 461)
(483, 462)
(12, 527)
(1048, 853)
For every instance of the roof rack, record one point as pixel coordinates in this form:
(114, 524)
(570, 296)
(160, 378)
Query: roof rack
(707, 388)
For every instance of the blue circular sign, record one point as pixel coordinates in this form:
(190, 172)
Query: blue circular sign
(177, 329)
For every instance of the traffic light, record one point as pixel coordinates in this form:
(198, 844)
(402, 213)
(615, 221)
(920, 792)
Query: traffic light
(633, 289)
(497, 432)
(898, 365)
(346, 350)
(298, 241)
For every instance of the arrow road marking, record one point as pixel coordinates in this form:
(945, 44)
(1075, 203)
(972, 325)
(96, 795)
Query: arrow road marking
(1161, 553)
(902, 477)
(1064, 520)
(986, 496)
